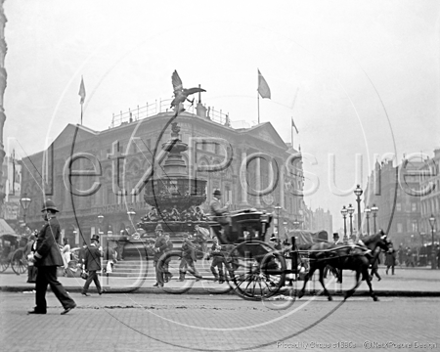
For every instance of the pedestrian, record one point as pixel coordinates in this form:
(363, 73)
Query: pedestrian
(47, 258)
(66, 254)
(390, 259)
(164, 263)
(82, 254)
(92, 265)
(29, 255)
(188, 259)
(401, 254)
(438, 257)
(375, 261)
(409, 257)
(218, 260)
(201, 237)
(160, 247)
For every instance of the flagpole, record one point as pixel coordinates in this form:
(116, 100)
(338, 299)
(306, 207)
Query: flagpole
(258, 104)
(82, 94)
(291, 133)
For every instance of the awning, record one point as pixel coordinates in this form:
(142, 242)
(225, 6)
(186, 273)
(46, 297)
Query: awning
(305, 237)
(5, 229)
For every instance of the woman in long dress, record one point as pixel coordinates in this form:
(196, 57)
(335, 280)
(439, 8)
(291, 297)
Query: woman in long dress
(66, 253)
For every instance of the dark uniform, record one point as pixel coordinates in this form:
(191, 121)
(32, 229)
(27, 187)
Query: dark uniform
(47, 259)
(92, 263)
(188, 259)
(160, 246)
(220, 212)
(218, 259)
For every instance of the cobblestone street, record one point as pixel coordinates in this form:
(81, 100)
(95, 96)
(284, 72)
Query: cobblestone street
(141, 322)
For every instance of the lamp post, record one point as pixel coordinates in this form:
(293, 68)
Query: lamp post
(432, 223)
(24, 202)
(100, 221)
(374, 210)
(367, 215)
(344, 212)
(350, 210)
(278, 209)
(131, 214)
(358, 192)
(285, 229)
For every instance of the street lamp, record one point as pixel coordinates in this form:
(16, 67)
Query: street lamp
(432, 223)
(350, 210)
(358, 192)
(24, 202)
(367, 215)
(374, 210)
(278, 209)
(100, 221)
(344, 212)
(131, 213)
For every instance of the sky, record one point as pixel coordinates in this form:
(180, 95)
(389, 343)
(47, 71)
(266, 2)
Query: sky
(365, 74)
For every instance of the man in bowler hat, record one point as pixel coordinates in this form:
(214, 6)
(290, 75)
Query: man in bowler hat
(92, 264)
(220, 212)
(47, 258)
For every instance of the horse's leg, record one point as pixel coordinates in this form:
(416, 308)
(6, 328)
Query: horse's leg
(339, 275)
(321, 280)
(350, 292)
(306, 279)
(370, 286)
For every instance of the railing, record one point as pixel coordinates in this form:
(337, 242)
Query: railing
(218, 116)
(162, 105)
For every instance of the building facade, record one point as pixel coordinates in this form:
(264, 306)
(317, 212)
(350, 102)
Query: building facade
(89, 173)
(397, 192)
(3, 79)
(322, 220)
(11, 180)
(430, 199)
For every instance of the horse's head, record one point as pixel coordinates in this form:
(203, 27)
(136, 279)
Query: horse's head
(378, 240)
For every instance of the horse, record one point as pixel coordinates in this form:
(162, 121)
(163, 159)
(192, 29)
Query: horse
(344, 257)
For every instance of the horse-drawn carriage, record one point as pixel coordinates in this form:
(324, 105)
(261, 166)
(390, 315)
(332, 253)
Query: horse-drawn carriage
(12, 253)
(256, 270)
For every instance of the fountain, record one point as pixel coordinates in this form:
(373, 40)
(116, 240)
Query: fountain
(175, 197)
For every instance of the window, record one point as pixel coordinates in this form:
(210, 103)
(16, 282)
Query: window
(398, 207)
(413, 206)
(399, 227)
(414, 226)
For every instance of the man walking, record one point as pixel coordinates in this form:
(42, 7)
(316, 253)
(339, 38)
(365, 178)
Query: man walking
(188, 259)
(47, 258)
(92, 263)
(160, 246)
(218, 260)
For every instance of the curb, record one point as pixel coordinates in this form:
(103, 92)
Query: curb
(204, 291)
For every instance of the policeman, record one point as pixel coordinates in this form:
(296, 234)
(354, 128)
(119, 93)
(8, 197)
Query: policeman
(47, 258)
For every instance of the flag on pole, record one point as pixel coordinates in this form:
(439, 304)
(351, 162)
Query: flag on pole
(82, 91)
(293, 125)
(263, 87)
